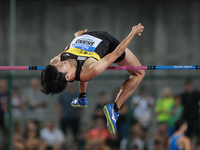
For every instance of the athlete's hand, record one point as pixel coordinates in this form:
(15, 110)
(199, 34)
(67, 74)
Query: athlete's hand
(79, 33)
(138, 29)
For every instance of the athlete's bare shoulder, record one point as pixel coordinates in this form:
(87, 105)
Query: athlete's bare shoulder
(184, 143)
(185, 138)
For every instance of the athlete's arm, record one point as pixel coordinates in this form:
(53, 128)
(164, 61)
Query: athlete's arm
(98, 67)
(82, 87)
(187, 144)
(57, 58)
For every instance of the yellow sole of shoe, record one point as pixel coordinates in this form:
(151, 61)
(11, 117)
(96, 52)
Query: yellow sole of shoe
(78, 106)
(109, 121)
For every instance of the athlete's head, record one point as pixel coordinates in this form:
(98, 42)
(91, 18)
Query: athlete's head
(181, 124)
(52, 81)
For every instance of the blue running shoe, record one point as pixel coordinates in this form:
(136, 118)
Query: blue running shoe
(80, 102)
(111, 117)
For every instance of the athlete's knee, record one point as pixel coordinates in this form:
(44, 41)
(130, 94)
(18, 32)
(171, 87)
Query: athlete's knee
(142, 74)
(137, 78)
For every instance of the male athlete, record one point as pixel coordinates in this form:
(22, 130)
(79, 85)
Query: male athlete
(178, 141)
(86, 57)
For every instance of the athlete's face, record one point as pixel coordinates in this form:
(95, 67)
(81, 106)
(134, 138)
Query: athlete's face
(62, 66)
(65, 67)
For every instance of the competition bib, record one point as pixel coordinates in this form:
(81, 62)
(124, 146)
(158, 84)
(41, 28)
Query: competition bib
(85, 42)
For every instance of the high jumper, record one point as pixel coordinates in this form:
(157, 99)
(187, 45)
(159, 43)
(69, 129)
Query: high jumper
(86, 57)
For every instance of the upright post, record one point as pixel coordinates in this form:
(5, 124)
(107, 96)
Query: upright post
(10, 126)
(12, 63)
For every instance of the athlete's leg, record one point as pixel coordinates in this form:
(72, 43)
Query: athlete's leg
(127, 88)
(130, 85)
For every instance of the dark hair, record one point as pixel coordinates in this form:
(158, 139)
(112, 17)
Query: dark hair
(179, 123)
(52, 81)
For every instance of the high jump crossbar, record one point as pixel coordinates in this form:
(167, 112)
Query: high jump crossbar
(110, 68)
